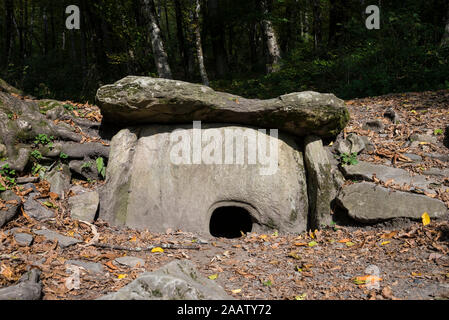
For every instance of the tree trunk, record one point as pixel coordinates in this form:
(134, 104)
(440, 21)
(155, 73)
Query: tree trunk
(160, 56)
(198, 42)
(183, 50)
(317, 35)
(218, 38)
(273, 50)
(9, 6)
(445, 39)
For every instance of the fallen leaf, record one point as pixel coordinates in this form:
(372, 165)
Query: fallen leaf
(301, 297)
(122, 276)
(385, 243)
(312, 243)
(349, 244)
(300, 244)
(236, 291)
(389, 235)
(155, 250)
(294, 255)
(213, 277)
(425, 219)
(344, 241)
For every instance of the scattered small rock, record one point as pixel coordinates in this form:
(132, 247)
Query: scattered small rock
(374, 125)
(29, 288)
(178, 280)
(92, 267)
(413, 157)
(367, 202)
(352, 144)
(130, 262)
(63, 241)
(423, 138)
(84, 206)
(35, 209)
(392, 115)
(23, 239)
(59, 179)
(11, 209)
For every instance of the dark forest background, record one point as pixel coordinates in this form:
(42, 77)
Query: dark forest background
(254, 48)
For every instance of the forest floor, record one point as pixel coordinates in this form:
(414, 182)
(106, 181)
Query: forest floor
(398, 259)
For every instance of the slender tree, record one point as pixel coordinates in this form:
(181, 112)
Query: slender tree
(217, 29)
(159, 53)
(445, 39)
(273, 50)
(198, 42)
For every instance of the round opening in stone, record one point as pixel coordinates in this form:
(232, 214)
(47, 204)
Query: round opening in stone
(230, 222)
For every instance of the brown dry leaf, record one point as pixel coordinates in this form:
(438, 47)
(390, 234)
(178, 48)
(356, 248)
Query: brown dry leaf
(110, 265)
(53, 196)
(389, 235)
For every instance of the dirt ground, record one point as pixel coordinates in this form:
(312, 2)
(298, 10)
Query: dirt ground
(398, 259)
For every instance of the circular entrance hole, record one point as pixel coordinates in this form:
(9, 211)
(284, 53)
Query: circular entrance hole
(230, 222)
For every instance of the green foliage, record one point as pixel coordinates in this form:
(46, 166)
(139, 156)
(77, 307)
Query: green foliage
(101, 167)
(86, 165)
(43, 139)
(347, 159)
(36, 155)
(37, 168)
(9, 175)
(69, 107)
(63, 156)
(437, 132)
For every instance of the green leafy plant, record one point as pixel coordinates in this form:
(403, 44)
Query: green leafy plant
(44, 139)
(86, 165)
(101, 167)
(37, 168)
(9, 175)
(348, 159)
(69, 107)
(63, 156)
(437, 132)
(36, 155)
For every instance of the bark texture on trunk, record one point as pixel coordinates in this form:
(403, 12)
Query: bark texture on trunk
(445, 39)
(159, 53)
(273, 50)
(198, 43)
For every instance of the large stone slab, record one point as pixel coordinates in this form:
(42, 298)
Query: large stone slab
(319, 182)
(84, 206)
(368, 202)
(178, 280)
(145, 190)
(11, 209)
(365, 171)
(143, 100)
(29, 288)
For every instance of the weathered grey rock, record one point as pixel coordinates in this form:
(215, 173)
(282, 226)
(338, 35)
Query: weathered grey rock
(63, 241)
(352, 144)
(23, 239)
(85, 168)
(423, 138)
(319, 177)
(374, 125)
(142, 100)
(3, 150)
(178, 280)
(84, 206)
(92, 267)
(369, 146)
(59, 179)
(131, 262)
(437, 172)
(29, 288)
(6, 87)
(35, 209)
(365, 171)
(392, 115)
(11, 209)
(145, 189)
(26, 180)
(413, 157)
(438, 156)
(367, 202)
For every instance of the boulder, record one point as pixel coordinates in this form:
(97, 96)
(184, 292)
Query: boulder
(352, 144)
(59, 179)
(320, 188)
(84, 206)
(143, 100)
(367, 202)
(427, 138)
(178, 280)
(148, 188)
(85, 168)
(29, 288)
(11, 209)
(374, 125)
(366, 170)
